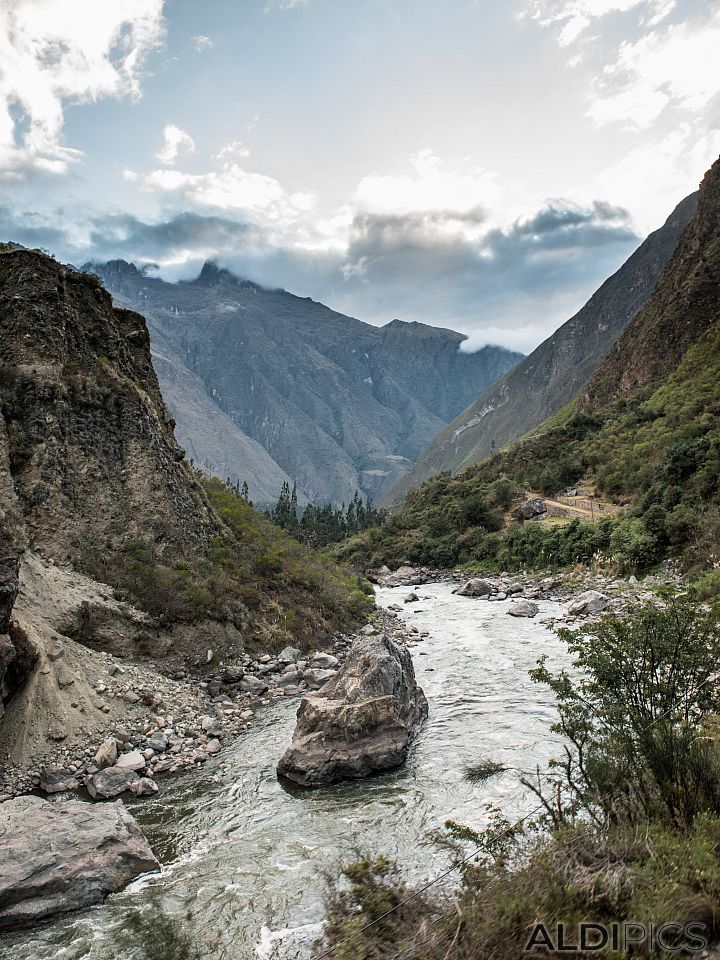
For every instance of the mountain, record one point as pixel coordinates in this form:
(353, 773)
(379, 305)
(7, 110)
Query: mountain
(336, 403)
(641, 438)
(91, 477)
(553, 373)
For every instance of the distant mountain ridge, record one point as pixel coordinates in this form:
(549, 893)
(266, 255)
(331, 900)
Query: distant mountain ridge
(267, 386)
(553, 373)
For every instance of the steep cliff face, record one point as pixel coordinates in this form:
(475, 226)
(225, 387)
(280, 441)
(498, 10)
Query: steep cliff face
(684, 305)
(551, 375)
(336, 403)
(86, 441)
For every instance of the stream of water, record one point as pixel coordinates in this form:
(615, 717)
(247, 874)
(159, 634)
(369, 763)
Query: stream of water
(245, 858)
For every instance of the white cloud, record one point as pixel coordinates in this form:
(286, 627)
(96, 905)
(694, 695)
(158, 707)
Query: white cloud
(202, 43)
(232, 151)
(53, 51)
(431, 186)
(655, 176)
(176, 141)
(675, 66)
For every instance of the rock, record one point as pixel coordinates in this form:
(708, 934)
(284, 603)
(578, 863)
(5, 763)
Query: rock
(131, 697)
(361, 722)
(110, 782)
(474, 588)
(253, 685)
(290, 677)
(589, 602)
(212, 746)
(57, 779)
(523, 608)
(232, 674)
(64, 856)
(106, 755)
(531, 510)
(144, 787)
(289, 655)
(412, 597)
(326, 661)
(158, 744)
(133, 760)
(316, 678)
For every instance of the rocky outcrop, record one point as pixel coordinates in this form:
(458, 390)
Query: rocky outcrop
(532, 509)
(17, 655)
(63, 856)
(554, 372)
(360, 722)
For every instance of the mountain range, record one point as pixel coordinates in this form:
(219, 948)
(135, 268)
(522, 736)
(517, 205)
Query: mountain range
(269, 387)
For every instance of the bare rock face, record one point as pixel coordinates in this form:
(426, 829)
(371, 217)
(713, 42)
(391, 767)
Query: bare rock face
(361, 722)
(63, 856)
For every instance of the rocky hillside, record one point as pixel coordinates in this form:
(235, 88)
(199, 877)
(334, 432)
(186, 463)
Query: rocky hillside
(643, 435)
(552, 374)
(265, 385)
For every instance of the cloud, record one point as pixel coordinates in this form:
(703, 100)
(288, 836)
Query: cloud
(53, 52)
(202, 43)
(176, 141)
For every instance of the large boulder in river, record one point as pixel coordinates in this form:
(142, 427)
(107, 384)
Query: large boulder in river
(523, 608)
(63, 856)
(475, 588)
(361, 722)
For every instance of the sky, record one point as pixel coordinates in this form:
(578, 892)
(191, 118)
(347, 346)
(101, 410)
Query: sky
(477, 164)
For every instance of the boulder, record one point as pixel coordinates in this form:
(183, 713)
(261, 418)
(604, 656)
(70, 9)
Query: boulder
(316, 678)
(412, 597)
(134, 760)
(361, 722)
(289, 655)
(523, 608)
(326, 661)
(110, 782)
(253, 686)
(106, 755)
(474, 588)
(144, 787)
(63, 856)
(531, 509)
(232, 673)
(589, 602)
(57, 779)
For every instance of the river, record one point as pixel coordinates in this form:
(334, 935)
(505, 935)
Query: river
(245, 858)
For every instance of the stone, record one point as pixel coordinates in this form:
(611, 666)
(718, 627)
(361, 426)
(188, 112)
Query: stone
(55, 779)
(362, 721)
(253, 685)
(316, 678)
(106, 755)
(232, 674)
(134, 760)
(110, 782)
(589, 602)
(532, 509)
(65, 856)
(523, 608)
(326, 661)
(412, 597)
(289, 655)
(475, 588)
(289, 678)
(158, 744)
(131, 697)
(212, 746)
(144, 787)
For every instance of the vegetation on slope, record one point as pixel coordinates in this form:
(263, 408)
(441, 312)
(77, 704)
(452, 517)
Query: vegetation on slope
(628, 830)
(658, 452)
(256, 576)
